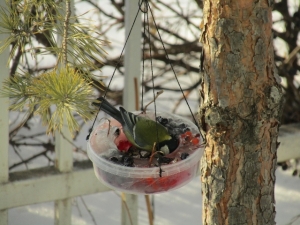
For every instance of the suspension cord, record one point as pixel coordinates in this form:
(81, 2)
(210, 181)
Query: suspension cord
(169, 61)
(151, 68)
(143, 51)
(146, 17)
(119, 61)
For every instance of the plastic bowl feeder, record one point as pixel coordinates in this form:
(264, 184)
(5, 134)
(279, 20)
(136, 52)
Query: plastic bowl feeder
(141, 178)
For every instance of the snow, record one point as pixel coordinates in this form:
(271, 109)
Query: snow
(181, 206)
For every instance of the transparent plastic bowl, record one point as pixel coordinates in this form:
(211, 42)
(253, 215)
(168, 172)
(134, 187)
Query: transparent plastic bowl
(146, 180)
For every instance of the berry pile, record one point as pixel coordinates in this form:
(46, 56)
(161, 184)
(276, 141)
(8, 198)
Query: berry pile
(179, 130)
(174, 128)
(124, 160)
(184, 141)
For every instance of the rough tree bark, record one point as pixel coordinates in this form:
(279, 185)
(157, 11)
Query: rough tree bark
(240, 112)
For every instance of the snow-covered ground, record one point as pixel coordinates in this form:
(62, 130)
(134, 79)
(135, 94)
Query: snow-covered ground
(181, 206)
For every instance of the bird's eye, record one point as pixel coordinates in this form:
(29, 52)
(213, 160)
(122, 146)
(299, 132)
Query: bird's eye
(117, 132)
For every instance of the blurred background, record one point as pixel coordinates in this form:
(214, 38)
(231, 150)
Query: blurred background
(178, 23)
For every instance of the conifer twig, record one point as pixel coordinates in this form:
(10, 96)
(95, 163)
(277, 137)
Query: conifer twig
(65, 34)
(149, 209)
(157, 94)
(88, 210)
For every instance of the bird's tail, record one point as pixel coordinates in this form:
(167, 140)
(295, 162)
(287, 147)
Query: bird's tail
(106, 107)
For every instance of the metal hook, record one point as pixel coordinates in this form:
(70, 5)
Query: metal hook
(143, 5)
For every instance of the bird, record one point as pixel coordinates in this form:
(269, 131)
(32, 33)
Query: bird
(141, 131)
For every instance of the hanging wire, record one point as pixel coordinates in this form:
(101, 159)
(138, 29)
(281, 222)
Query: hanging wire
(151, 68)
(169, 61)
(119, 60)
(145, 11)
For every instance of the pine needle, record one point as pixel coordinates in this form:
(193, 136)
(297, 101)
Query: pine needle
(67, 93)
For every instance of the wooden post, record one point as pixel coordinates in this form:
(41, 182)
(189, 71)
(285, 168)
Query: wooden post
(64, 156)
(64, 163)
(132, 72)
(4, 102)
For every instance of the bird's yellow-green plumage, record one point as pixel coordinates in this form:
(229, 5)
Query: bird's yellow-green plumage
(150, 132)
(139, 130)
(142, 131)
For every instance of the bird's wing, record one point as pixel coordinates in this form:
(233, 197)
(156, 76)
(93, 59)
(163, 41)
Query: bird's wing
(149, 132)
(129, 123)
(142, 130)
(129, 119)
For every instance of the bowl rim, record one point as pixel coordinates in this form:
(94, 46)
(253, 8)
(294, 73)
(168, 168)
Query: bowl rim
(142, 172)
(147, 172)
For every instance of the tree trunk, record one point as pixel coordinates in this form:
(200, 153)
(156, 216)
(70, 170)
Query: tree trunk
(240, 112)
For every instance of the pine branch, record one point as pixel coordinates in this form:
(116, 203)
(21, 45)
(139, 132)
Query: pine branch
(65, 35)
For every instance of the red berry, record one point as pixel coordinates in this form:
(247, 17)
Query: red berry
(189, 133)
(195, 141)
